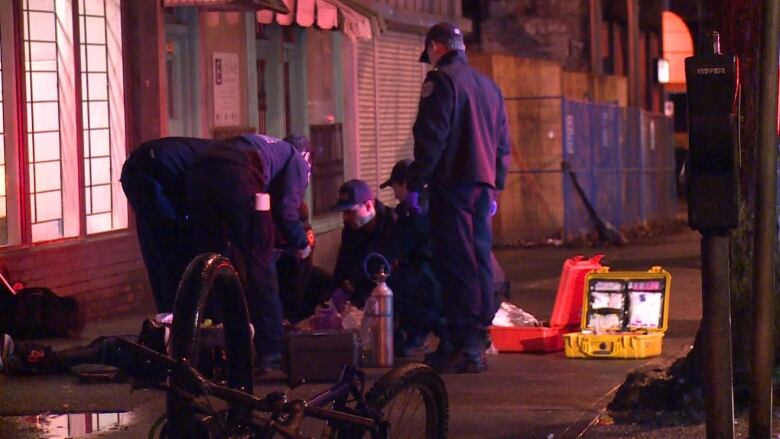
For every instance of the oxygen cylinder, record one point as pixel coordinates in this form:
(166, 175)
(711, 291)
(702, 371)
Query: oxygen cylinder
(377, 328)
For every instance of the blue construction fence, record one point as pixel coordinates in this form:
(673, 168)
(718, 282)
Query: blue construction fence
(623, 159)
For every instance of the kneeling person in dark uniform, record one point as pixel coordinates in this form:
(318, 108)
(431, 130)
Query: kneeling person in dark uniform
(366, 221)
(401, 237)
(240, 190)
(416, 290)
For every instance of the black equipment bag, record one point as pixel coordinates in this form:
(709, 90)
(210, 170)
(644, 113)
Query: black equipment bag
(319, 356)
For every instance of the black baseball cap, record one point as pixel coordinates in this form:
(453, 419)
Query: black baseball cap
(445, 33)
(300, 142)
(353, 193)
(398, 174)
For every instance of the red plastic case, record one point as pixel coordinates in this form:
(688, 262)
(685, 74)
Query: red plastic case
(566, 315)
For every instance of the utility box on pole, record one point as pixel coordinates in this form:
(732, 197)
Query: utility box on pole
(712, 177)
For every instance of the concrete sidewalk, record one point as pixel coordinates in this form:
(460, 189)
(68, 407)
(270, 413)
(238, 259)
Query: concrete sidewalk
(521, 395)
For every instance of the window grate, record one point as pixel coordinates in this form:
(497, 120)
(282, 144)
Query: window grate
(327, 165)
(98, 173)
(43, 114)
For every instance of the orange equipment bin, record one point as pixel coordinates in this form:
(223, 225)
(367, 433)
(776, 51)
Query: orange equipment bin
(566, 315)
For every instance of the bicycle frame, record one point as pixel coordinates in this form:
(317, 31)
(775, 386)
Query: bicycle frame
(186, 385)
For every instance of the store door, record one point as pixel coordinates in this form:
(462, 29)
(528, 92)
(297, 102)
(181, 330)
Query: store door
(182, 74)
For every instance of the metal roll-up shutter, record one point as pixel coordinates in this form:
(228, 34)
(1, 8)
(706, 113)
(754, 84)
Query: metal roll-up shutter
(367, 104)
(390, 63)
(399, 80)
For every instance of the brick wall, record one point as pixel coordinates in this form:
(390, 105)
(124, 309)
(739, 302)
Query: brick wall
(105, 274)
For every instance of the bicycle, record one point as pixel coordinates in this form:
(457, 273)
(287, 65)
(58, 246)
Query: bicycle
(385, 411)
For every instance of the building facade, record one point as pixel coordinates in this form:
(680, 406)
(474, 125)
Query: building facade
(85, 81)
(593, 36)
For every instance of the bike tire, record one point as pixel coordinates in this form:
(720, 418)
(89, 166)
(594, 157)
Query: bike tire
(401, 383)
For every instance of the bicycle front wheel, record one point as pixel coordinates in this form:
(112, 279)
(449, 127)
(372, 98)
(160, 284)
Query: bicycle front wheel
(413, 399)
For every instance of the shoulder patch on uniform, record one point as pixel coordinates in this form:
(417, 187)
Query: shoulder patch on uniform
(427, 89)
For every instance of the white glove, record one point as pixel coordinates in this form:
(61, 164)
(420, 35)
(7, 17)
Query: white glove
(304, 252)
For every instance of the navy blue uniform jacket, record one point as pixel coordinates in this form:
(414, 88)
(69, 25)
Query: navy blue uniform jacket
(160, 167)
(285, 175)
(461, 134)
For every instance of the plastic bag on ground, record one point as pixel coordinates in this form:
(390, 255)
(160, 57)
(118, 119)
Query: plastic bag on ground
(351, 317)
(510, 315)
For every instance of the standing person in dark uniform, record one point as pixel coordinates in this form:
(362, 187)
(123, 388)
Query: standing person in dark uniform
(461, 142)
(153, 178)
(240, 190)
(366, 221)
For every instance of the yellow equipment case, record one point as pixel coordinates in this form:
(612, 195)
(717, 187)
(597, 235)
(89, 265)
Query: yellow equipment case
(624, 315)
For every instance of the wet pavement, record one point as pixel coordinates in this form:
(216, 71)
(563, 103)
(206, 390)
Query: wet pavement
(520, 396)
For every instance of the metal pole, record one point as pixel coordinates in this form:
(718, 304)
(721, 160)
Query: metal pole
(762, 359)
(634, 85)
(716, 325)
(596, 63)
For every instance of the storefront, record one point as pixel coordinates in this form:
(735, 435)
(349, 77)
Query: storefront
(84, 81)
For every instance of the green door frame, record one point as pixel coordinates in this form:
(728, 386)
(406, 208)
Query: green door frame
(183, 87)
(276, 53)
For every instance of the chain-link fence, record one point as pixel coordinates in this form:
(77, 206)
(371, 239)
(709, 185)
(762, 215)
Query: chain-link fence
(622, 158)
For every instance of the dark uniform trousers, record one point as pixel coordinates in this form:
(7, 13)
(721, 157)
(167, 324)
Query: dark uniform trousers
(166, 246)
(415, 299)
(461, 235)
(416, 289)
(221, 188)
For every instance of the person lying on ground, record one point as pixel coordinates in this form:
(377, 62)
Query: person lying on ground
(25, 358)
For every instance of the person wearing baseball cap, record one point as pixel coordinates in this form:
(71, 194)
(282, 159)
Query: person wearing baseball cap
(366, 221)
(416, 290)
(461, 148)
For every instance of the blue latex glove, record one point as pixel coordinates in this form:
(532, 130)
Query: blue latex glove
(493, 208)
(412, 201)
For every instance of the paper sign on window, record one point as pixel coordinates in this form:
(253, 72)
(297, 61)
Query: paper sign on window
(226, 89)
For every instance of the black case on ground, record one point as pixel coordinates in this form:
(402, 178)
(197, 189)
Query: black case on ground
(319, 356)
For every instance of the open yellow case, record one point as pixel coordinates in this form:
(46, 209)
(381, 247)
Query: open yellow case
(624, 315)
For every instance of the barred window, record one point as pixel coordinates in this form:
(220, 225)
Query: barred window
(50, 168)
(99, 123)
(327, 165)
(44, 152)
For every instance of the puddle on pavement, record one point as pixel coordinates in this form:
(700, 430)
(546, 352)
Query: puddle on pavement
(72, 425)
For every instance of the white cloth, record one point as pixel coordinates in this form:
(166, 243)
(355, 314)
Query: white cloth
(510, 315)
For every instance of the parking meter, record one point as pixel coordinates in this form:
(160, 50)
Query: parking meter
(713, 123)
